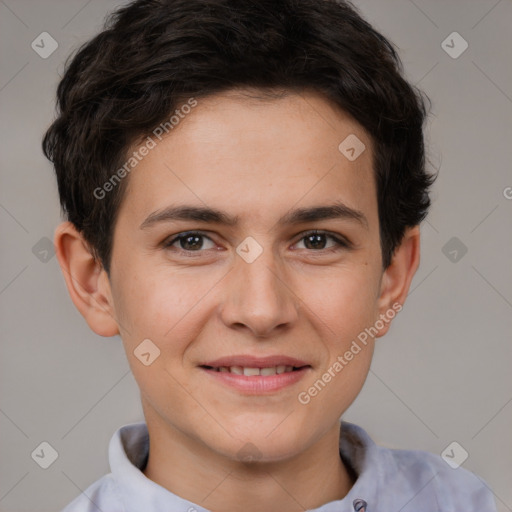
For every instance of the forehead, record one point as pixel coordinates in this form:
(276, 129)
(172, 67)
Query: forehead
(255, 157)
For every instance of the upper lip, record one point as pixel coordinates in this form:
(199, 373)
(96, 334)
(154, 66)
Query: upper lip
(248, 361)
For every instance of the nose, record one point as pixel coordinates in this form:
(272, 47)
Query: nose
(259, 297)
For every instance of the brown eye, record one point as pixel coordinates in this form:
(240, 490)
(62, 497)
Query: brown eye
(191, 241)
(317, 240)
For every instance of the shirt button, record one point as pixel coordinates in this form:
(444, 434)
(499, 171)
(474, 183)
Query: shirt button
(360, 505)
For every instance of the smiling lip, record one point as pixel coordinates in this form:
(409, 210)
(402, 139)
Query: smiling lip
(255, 362)
(291, 371)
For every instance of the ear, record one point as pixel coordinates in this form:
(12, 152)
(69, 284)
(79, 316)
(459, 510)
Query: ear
(397, 278)
(86, 280)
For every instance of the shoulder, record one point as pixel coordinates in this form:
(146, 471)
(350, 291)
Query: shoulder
(453, 488)
(410, 480)
(101, 496)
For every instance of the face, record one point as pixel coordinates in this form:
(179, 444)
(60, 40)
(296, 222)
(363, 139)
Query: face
(272, 281)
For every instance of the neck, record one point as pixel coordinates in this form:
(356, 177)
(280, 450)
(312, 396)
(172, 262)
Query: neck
(194, 472)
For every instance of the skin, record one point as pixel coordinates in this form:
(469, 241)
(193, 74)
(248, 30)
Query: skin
(256, 160)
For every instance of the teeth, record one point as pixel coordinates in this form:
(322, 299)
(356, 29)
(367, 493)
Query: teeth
(248, 371)
(251, 371)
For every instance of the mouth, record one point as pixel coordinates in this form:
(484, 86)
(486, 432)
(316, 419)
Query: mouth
(249, 371)
(256, 376)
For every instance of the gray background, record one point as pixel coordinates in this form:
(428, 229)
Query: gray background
(442, 374)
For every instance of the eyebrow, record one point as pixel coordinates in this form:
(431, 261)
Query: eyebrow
(336, 210)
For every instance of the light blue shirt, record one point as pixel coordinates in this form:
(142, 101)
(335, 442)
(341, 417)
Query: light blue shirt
(388, 480)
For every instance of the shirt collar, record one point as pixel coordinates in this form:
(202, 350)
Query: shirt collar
(129, 449)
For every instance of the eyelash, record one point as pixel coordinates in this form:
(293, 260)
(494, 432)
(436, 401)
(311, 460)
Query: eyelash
(340, 243)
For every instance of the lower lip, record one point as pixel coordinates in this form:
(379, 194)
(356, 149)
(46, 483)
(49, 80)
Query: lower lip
(258, 384)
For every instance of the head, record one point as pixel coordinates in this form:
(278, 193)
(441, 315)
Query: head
(240, 112)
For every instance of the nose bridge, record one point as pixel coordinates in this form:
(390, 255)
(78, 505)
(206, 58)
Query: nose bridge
(259, 296)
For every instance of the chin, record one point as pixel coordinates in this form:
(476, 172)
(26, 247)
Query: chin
(263, 441)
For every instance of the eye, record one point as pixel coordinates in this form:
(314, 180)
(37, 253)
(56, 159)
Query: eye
(316, 240)
(194, 242)
(191, 241)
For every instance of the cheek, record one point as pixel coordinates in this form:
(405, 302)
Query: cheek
(158, 304)
(345, 303)
(345, 308)
(165, 311)
(170, 310)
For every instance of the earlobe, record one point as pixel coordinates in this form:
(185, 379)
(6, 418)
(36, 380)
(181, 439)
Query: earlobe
(397, 278)
(86, 280)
